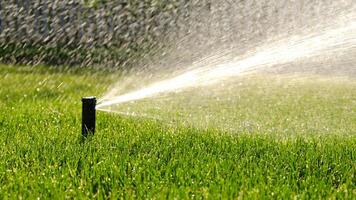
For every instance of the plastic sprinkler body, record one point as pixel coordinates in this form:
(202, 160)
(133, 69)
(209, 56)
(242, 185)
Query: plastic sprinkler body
(88, 116)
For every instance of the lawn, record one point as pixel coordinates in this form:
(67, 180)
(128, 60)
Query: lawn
(291, 139)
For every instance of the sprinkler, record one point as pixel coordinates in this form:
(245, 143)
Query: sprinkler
(88, 116)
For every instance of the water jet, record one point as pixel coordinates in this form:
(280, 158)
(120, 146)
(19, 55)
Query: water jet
(88, 116)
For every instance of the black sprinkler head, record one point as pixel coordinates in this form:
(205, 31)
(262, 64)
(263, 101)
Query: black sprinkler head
(88, 116)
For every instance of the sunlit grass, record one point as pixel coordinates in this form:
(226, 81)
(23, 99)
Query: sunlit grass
(42, 154)
(278, 105)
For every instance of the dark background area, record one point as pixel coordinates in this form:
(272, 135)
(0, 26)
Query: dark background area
(89, 33)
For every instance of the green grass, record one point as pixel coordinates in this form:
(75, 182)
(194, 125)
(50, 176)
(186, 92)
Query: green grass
(43, 156)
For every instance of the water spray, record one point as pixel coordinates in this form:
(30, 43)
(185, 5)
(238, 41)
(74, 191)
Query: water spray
(88, 116)
(332, 39)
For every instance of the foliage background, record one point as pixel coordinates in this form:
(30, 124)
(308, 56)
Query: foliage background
(77, 32)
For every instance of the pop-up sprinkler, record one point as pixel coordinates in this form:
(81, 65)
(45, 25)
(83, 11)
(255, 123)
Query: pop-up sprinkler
(88, 116)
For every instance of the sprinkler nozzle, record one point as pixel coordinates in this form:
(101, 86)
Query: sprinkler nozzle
(88, 116)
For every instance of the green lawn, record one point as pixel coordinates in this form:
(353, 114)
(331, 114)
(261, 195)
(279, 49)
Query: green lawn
(43, 156)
